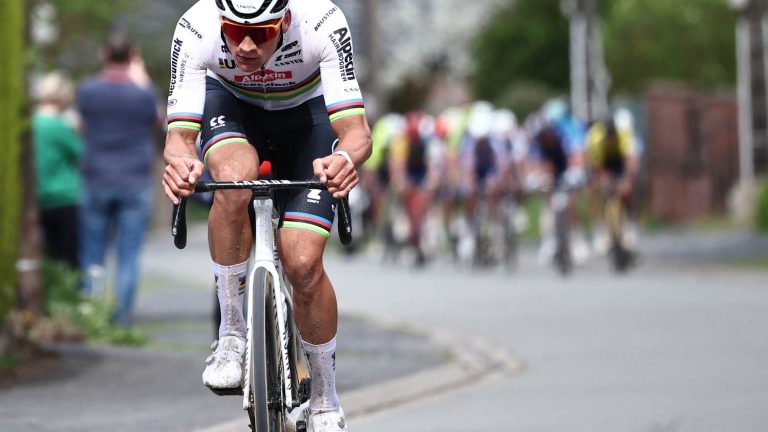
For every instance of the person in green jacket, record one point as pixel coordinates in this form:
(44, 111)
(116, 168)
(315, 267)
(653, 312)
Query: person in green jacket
(58, 149)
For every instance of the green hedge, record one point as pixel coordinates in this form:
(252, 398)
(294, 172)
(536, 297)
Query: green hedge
(761, 211)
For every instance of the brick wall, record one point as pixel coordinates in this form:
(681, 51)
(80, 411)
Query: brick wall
(692, 152)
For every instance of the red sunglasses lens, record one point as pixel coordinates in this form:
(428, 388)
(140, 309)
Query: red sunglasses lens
(236, 33)
(258, 35)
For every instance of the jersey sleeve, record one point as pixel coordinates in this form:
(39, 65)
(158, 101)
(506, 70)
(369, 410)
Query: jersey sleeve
(341, 90)
(186, 92)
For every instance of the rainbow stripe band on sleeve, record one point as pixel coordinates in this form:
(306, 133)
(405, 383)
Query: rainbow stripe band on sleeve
(220, 140)
(345, 108)
(185, 121)
(307, 221)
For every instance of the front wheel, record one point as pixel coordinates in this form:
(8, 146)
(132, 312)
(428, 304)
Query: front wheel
(265, 396)
(563, 258)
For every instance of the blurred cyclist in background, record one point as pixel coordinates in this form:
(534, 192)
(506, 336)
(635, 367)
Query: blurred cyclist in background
(375, 173)
(556, 157)
(613, 158)
(412, 175)
(484, 174)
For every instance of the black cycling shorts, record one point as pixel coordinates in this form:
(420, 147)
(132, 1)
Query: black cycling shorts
(290, 139)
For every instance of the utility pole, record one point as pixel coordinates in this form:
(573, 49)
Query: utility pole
(752, 90)
(589, 77)
(373, 81)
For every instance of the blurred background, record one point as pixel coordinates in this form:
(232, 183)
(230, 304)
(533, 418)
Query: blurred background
(487, 116)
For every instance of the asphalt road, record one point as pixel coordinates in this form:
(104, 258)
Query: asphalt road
(158, 388)
(676, 345)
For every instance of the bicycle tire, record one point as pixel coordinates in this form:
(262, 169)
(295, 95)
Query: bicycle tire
(563, 258)
(266, 407)
(620, 258)
(510, 237)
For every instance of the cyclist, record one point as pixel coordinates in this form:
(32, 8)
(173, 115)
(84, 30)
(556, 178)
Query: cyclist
(275, 80)
(556, 153)
(612, 155)
(483, 170)
(375, 173)
(411, 175)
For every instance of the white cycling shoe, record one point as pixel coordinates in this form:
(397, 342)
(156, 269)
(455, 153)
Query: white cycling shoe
(328, 421)
(224, 368)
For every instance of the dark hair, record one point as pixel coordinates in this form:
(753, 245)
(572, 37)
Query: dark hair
(118, 48)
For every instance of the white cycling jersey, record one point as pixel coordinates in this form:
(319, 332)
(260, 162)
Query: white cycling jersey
(314, 59)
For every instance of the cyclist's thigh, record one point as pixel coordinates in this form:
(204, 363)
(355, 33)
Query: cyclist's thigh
(305, 135)
(226, 146)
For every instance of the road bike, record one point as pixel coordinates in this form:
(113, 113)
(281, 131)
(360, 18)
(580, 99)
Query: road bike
(494, 240)
(615, 216)
(276, 383)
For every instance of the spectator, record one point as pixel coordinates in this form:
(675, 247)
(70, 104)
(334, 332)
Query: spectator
(57, 154)
(119, 112)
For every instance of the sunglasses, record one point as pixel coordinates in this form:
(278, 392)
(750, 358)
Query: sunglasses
(259, 33)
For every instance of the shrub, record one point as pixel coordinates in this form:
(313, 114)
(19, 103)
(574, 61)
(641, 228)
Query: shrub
(761, 210)
(70, 311)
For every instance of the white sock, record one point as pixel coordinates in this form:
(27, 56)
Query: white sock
(322, 365)
(230, 288)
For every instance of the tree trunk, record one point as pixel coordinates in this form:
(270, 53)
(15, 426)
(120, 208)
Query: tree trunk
(29, 268)
(12, 124)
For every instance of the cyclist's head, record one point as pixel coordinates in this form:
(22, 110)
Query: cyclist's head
(481, 119)
(248, 12)
(623, 119)
(555, 110)
(414, 125)
(611, 132)
(252, 29)
(504, 122)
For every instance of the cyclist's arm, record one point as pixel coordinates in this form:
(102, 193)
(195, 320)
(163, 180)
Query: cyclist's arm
(339, 170)
(186, 98)
(344, 102)
(354, 138)
(183, 168)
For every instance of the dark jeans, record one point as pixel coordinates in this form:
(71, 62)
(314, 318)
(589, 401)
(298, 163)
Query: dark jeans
(128, 215)
(60, 233)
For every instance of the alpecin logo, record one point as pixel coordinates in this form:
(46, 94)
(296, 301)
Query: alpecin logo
(268, 75)
(344, 50)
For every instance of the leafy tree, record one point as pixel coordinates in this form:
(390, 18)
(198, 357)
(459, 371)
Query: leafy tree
(12, 95)
(526, 41)
(525, 47)
(79, 26)
(691, 41)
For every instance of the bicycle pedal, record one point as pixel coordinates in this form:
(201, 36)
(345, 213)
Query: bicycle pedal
(236, 391)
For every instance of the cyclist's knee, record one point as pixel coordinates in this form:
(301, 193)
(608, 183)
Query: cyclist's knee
(304, 270)
(302, 259)
(232, 201)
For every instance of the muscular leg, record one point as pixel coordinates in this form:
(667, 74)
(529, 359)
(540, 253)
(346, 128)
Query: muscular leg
(314, 301)
(229, 230)
(229, 241)
(301, 252)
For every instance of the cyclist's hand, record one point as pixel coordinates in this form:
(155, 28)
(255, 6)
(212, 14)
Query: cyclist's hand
(180, 176)
(337, 173)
